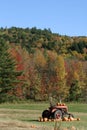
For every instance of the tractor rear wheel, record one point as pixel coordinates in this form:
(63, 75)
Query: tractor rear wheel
(46, 114)
(58, 114)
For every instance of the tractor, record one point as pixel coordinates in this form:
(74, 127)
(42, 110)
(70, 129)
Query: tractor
(58, 111)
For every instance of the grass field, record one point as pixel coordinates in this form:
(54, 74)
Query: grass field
(24, 116)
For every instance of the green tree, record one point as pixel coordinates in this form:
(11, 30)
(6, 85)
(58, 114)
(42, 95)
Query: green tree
(74, 91)
(8, 74)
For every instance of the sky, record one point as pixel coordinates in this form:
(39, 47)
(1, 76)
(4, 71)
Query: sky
(65, 17)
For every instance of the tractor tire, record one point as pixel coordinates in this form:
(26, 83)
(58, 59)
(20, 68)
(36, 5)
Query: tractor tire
(46, 114)
(58, 114)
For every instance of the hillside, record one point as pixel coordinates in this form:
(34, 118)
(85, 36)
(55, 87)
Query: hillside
(49, 65)
(36, 38)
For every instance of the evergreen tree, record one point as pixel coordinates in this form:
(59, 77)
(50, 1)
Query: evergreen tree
(8, 74)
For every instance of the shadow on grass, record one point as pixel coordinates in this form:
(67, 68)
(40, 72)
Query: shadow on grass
(29, 120)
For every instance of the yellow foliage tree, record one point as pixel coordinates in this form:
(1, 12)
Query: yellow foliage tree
(61, 87)
(39, 58)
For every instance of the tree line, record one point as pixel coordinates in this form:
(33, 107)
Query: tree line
(35, 64)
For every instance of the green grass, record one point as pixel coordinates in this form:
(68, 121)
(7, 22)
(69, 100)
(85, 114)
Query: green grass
(77, 107)
(25, 106)
(30, 112)
(73, 107)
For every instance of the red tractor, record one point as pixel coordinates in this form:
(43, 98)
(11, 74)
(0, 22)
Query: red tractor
(58, 111)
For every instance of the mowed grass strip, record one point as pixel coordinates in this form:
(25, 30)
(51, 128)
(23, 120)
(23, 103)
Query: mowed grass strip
(25, 106)
(77, 107)
(73, 107)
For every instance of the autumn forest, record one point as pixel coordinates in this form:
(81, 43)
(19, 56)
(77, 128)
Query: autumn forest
(36, 64)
